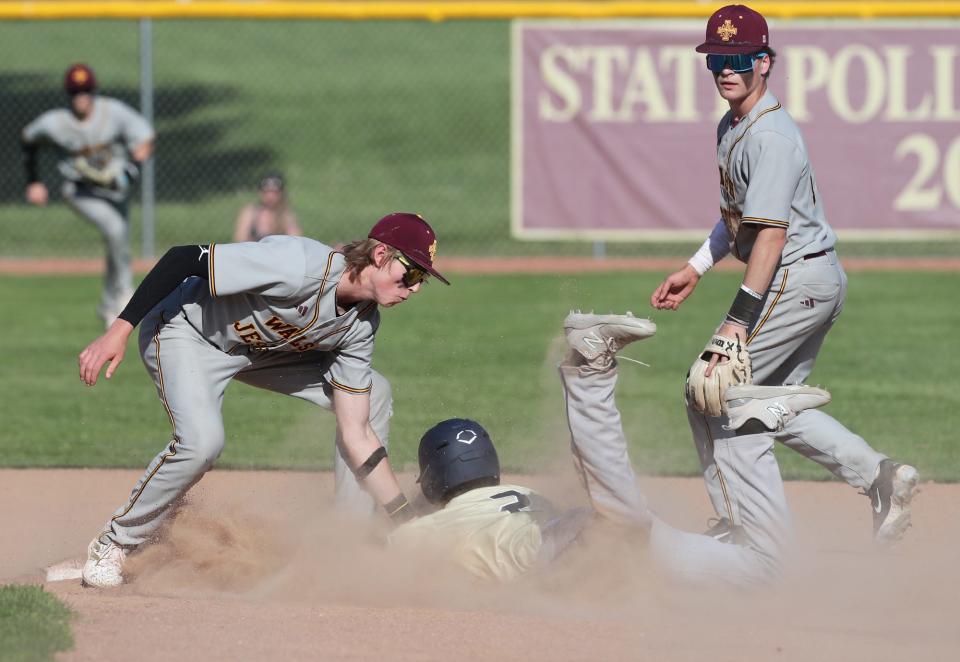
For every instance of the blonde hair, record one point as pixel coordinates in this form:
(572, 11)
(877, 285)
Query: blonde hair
(359, 256)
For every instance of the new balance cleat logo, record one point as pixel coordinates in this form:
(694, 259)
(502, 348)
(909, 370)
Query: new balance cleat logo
(598, 338)
(595, 342)
(778, 410)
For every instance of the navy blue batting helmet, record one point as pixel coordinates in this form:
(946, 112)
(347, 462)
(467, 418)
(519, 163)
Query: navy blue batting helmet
(456, 455)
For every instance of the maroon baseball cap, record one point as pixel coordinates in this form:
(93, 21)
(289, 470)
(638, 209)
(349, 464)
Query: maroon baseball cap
(79, 79)
(735, 29)
(412, 236)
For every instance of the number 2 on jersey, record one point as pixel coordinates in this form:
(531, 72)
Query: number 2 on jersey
(521, 501)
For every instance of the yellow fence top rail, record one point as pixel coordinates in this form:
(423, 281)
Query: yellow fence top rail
(445, 10)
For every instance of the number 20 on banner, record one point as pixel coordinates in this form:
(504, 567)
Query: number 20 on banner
(933, 176)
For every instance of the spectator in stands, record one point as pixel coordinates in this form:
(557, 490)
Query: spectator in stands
(269, 215)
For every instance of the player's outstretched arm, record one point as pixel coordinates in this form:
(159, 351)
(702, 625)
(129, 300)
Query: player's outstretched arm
(679, 285)
(746, 308)
(143, 151)
(108, 348)
(178, 263)
(36, 191)
(365, 454)
(675, 289)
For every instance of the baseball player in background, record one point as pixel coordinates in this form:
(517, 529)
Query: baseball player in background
(793, 290)
(287, 314)
(503, 532)
(102, 141)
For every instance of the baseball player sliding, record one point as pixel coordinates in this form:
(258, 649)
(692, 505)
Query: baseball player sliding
(793, 291)
(287, 314)
(502, 532)
(101, 142)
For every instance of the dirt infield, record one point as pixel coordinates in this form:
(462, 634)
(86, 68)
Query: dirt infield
(258, 567)
(509, 265)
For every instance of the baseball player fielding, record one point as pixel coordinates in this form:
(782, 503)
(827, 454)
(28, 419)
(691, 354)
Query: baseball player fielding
(772, 219)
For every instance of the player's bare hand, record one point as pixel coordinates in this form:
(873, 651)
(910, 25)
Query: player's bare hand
(108, 348)
(730, 331)
(675, 289)
(37, 194)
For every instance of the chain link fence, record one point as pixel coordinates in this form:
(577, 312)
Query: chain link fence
(362, 117)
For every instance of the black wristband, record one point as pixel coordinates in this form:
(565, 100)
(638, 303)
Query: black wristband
(746, 308)
(400, 510)
(178, 263)
(30, 161)
(371, 463)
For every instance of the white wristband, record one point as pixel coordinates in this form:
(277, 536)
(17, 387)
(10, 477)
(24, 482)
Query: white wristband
(714, 248)
(702, 260)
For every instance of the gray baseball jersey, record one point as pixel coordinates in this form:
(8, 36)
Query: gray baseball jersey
(766, 180)
(98, 146)
(101, 140)
(267, 316)
(279, 294)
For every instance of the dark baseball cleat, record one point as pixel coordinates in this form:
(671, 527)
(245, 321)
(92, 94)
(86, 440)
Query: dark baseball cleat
(598, 338)
(773, 406)
(890, 496)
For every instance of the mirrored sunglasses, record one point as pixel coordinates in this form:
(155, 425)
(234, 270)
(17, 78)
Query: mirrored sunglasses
(413, 274)
(736, 63)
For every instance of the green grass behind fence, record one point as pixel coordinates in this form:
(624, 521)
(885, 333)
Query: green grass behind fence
(486, 348)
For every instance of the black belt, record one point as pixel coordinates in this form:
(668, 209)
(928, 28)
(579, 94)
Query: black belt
(813, 255)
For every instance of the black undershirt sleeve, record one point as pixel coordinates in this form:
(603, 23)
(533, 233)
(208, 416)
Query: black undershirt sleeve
(30, 161)
(177, 264)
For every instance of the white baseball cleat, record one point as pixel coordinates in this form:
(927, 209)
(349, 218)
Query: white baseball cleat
(773, 406)
(598, 338)
(890, 496)
(104, 566)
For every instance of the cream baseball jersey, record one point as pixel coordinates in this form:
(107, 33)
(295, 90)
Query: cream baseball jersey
(492, 532)
(279, 294)
(766, 180)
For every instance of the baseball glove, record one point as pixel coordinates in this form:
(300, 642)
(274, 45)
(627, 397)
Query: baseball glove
(112, 175)
(705, 394)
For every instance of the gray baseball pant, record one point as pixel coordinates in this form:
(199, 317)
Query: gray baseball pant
(804, 301)
(191, 376)
(601, 458)
(110, 218)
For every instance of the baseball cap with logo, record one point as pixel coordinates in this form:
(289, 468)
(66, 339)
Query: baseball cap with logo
(79, 79)
(736, 29)
(412, 236)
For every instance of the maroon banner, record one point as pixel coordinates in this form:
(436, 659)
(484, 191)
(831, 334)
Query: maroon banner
(614, 126)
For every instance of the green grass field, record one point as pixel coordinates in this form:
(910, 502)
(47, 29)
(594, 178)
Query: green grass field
(33, 624)
(486, 348)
